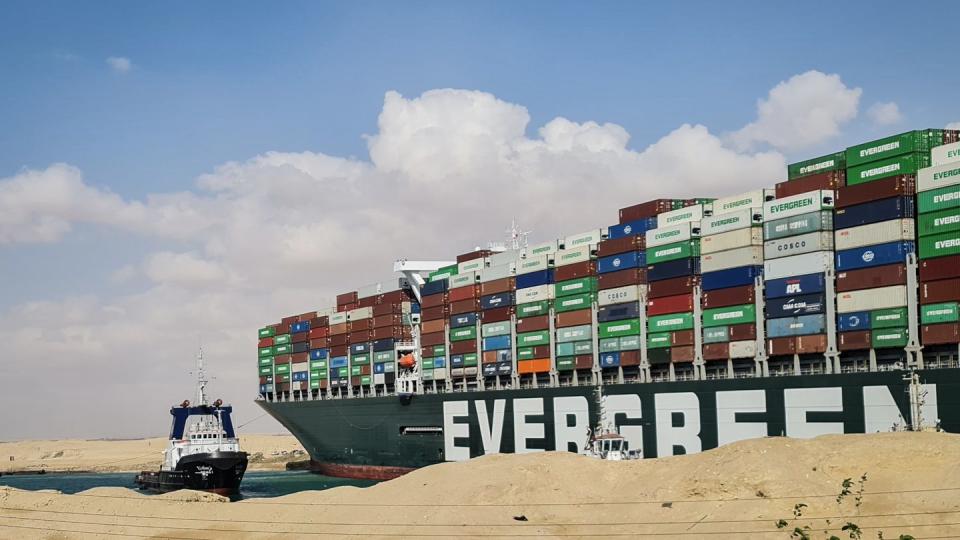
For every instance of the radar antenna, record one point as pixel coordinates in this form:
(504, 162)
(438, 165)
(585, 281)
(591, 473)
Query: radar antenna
(201, 380)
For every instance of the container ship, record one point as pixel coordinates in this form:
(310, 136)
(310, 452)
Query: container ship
(826, 304)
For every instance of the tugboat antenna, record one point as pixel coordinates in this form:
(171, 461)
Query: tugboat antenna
(201, 380)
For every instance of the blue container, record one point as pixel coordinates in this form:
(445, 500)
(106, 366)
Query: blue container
(797, 326)
(456, 360)
(434, 287)
(266, 388)
(621, 261)
(379, 368)
(439, 362)
(618, 312)
(631, 228)
(673, 269)
(805, 284)
(339, 361)
(319, 354)
(466, 319)
(859, 320)
(300, 327)
(360, 348)
(610, 359)
(383, 345)
(792, 306)
(873, 212)
(495, 343)
(504, 368)
(492, 301)
(489, 370)
(299, 347)
(731, 277)
(299, 376)
(414, 307)
(870, 256)
(535, 279)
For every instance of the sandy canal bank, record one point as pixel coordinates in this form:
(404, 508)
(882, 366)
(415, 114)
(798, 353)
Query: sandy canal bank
(129, 455)
(738, 491)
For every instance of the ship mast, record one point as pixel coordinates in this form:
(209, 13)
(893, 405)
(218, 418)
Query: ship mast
(201, 380)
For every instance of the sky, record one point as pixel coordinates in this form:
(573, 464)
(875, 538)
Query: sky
(185, 172)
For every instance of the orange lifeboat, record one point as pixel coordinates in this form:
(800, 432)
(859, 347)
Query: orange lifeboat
(407, 361)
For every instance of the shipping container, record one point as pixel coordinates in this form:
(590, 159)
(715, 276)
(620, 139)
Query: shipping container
(905, 143)
(817, 165)
(907, 164)
(645, 210)
(473, 266)
(798, 265)
(672, 287)
(730, 296)
(878, 255)
(732, 221)
(464, 319)
(681, 215)
(574, 333)
(793, 285)
(783, 346)
(940, 334)
(872, 278)
(794, 226)
(631, 227)
(740, 332)
(535, 279)
(735, 203)
(804, 203)
(681, 354)
(533, 309)
(726, 316)
(570, 256)
(894, 186)
(716, 351)
(883, 232)
(888, 318)
(940, 268)
(731, 277)
(944, 221)
(670, 323)
(544, 248)
(528, 324)
(740, 238)
(671, 252)
(532, 263)
(671, 235)
(658, 340)
(575, 318)
(945, 154)
(622, 278)
(854, 341)
(796, 326)
(790, 306)
(584, 239)
(871, 299)
(616, 312)
(630, 293)
(673, 269)
(939, 313)
(873, 212)
(935, 292)
(626, 327)
(496, 300)
(622, 261)
(497, 273)
(501, 328)
(743, 349)
(670, 304)
(495, 286)
(716, 334)
(941, 245)
(888, 338)
(829, 180)
(620, 245)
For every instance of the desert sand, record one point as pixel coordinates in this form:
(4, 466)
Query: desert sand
(129, 455)
(737, 491)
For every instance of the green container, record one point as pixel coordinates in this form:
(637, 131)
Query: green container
(281, 339)
(360, 360)
(427, 375)
(469, 359)
(427, 365)
(474, 265)
(888, 147)
(936, 200)
(671, 252)
(314, 375)
(944, 221)
(609, 345)
(574, 303)
(266, 370)
(895, 166)
(439, 350)
(829, 162)
(940, 245)
(314, 384)
(532, 309)
(343, 372)
(265, 352)
(281, 368)
(383, 356)
(717, 334)
(525, 353)
(532, 339)
(355, 370)
(565, 349)
(659, 340)
(443, 273)
(365, 380)
(939, 313)
(266, 361)
(746, 313)
(566, 363)
(797, 225)
(574, 333)
(582, 347)
(670, 323)
(279, 350)
(888, 318)
(888, 337)
(630, 343)
(575, 286)
(463, 333)
(496, 329)
(267, 331)
(318, 364)
(626, 327)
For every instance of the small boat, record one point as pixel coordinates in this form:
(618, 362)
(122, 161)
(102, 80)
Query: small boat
(605, 442)
(203, 453)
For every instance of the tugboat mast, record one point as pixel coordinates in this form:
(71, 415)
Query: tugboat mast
(201, 380)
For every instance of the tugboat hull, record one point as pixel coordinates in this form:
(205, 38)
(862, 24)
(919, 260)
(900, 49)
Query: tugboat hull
(216, 472)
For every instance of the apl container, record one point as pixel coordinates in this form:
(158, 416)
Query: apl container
(798, 265)
(804, 203)
(873, 212)
(731, 277)
(878, 255)
(751, 236)
(739, 219)
(802, 224)
(798, 245)
(733, 258)
(871, 299)
(895, 230)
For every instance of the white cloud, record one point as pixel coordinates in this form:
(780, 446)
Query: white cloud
(183, 269)
(885, 114)
(801, 112)
(119, 64)
(953, 125)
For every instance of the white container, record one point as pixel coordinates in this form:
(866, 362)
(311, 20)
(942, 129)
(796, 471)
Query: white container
(468, 371)
(798, 245)
(473, 265)
(669, 235)
(379, 378)
(733, 258)
(534, 294)
(875, 233)
(736, 203)
(326, 312)
(804, 203)
(743, 349)
(589, 238)
(731, 221)
(752, 236)
(630, 293)
(937, 177)
(464, 279)
(339, 317)
(680, 215)
(546, 248)
(492, 273)
(359, 314)
(943, 155)
(871, 299)
(440, 373)
(370, 290)
(534, 263)
(457, 372)
(798, 265)
(503, 257)
(571, 256)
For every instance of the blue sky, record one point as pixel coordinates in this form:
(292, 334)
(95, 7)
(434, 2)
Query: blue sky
(100, 271)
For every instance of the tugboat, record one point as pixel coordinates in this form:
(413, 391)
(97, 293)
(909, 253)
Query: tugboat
(204, 455)
(605, 442)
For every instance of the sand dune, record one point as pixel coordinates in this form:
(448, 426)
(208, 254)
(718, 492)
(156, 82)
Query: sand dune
(738, 491)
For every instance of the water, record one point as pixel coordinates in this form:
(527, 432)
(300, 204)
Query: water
(255, 484)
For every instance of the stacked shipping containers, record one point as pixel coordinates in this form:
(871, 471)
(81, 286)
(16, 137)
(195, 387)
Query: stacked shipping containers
(463, 326)
(499, 341)
(574, 296)
(434, 310)
(533, 297)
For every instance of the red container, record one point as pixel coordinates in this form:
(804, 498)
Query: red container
(318, 322)
(672, 287)
(319, 343)
(282, 387)
(853, 341)
(624, 244)
(533, 324)
(339, 350)
(299, 358)
(338, 339)
(387, 309)
(944, 290)
(645, 210)
(811, 344)
(306, 316)
(463, 347)
(469, 305)
(782, 346)
(289, 320)
(583, 361)
(369, 301)
(716, 351)
(681, 338)
(436, 312)
(496, 286)
(320, 332)
(339, 328)
(488, 357)
(573, 318)
(348, 307)
(670, 304)
(894, 186)
(574, 271)
(742, 332)
(391, 319)
(283, 328)
(931, 269)
(939, 334)
(355, 381)
(681, 354)
(813, 182)
(360, 324)
(299, 337)
(265, 342)
(432, 339)
(395, 332)
(433, 325)
(622, 278)
(479, 254)
(541, 351)
(358, 336)
(871, 278)
(733, 296)
(497, 314)
(629, 358)
(463, 293)
(394, 297)
(346, 298)
(433, 300)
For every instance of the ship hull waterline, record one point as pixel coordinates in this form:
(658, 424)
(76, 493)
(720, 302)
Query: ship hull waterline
(216, 472)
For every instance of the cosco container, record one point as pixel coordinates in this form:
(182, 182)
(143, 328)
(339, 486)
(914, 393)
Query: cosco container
(802, 224)
(731, 277)
(896, 166)
(621, 261)
(726, 316)
(631, 228)
(733, 258)
(798, 265)
(804, 203)
(944, 221)
(739, 219)
(735, 203)
(871, 299)
(905, 143)
(796, 326)
(671, 235)
(895, 230)
(798, 245)
(878, 255)
(789, 306)
(945, 154)
(680, 215)
(670, 252)
(630, 293)
(752, 236)
(829, 162)
(938, 199)
(873, 212)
